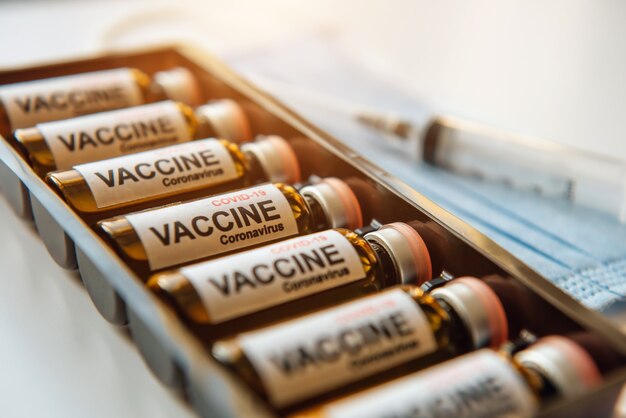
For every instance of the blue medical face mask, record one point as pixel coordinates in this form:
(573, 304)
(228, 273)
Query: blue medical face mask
(581, 250)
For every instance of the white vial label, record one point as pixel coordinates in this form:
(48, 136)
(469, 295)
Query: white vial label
(268, 276)
(202, 228)
(118, 132)
(323, 351)
(32, 102)
(158, 172)
(477, 385)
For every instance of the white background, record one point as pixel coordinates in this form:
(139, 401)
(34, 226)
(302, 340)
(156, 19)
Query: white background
(553, 69)
(549, 69)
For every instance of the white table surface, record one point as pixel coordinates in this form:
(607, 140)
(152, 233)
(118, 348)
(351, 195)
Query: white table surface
(553, 70)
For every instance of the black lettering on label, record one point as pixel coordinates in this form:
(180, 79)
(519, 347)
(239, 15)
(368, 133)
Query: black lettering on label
(332, 255)
(100, 135)
(222, 227)
(69, 142)
(78, 100)
(124, 132)
(165, 125)
(299, 359)
(163, 237)
(265, 278)
(351, 341)
(23, 104)
(125, 175)
(144, 174)
(40, 103)
(198, 223)
(182, 231)
(348, 341)
(251, 213)
(266, 209)
(222, 285)
(242, 281)
(311, 260)
(84, 139)
(108, 180)
(400, 324)
(315, 279)
(208, 158)
(239, 237)
(315, 263)
(220, 220)
(284, 268)
(159, 166)
(482, 397)
(261, 274)
(167, 167)
(327, 349)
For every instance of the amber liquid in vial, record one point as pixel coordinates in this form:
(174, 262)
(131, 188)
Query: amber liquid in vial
(214, 226)
(486, 383)
(365, 342)
(25, 104)
(187, 171)
(61, 145)
(256, 287)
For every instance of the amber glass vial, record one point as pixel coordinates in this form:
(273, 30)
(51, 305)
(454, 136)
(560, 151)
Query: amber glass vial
(186, 171)
(26, 104)
(61, 145)
(179, 233)
(253, 288)
(486, 383)
(364, 342)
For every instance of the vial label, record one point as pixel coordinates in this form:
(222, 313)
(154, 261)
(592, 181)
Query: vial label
(29, 103)
(322, 351)
(162, 171)
(247, 282)
(477, 385)
(179, 233)
(105, 135)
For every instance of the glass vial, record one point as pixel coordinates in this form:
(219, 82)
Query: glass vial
(362, 342)
(179, 233)
(293, 276)
(191, 170)
(26, 104)
(61, 145)
(486, 384)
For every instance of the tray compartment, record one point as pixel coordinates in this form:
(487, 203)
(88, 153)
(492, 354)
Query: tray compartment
(59, 245)
(171, 350)
(15, 193)
(103, 295)
(158, 359)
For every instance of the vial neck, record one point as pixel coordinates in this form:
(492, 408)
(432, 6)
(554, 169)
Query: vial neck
(255, 168)
(457, 331)
(206, 129)
(540, 384)
(388, 270)
(319, 219)
(155, 93)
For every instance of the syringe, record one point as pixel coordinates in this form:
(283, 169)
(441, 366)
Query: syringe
(551, 169)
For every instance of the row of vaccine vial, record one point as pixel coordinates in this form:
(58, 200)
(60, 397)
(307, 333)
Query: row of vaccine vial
(137, 163)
